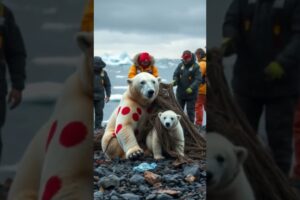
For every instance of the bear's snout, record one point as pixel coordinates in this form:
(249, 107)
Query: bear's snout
(168, 124)
(150, 93)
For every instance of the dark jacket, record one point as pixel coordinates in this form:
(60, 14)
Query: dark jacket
(101, 83)
(12, 52)
(264, 31)
(187, 76)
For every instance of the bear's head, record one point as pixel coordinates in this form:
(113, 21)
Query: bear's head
(85, 42)
(224, 161)
(169, 119)
(143, 88)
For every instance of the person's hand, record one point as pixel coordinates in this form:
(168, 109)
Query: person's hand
(106, 99)
(14, 98)
(274, 71)
(189, 90)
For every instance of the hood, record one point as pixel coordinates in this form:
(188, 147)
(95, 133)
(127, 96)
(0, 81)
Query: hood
(136, 63)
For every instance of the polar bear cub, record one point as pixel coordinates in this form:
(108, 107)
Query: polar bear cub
(226, 178)
(171, 121)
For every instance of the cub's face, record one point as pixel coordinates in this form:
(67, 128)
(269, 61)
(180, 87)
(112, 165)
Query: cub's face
(145, 86)
(169, 119)
(224, 161)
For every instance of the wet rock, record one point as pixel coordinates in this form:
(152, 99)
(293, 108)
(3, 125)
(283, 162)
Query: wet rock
(137, 179)
(130, 196)
(109, 181)
(152, 178)
(193, 170)
(163, 197)
(151, 197)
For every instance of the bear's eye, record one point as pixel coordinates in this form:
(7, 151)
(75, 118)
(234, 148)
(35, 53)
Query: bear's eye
(220, 159)
(165, 118)
(143, 82)
(172, 118)
(153, 82)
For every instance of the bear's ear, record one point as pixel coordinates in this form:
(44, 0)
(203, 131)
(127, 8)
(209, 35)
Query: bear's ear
(178, 117)
(129, 81)
(158, 79)
(159, 114)
(85, 41)
(241, 154)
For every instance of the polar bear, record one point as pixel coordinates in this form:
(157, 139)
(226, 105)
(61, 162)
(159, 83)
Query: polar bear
(226, 178)
(119, 139)
(57, 163)
(170, 121)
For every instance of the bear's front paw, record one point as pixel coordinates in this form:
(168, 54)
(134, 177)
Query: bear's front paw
(134, 153)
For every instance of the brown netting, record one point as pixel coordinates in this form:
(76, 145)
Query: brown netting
(195, 144)
(225, 117)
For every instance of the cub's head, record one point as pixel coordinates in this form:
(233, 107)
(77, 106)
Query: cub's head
(169, 119)
(144, 87)
(224, 161)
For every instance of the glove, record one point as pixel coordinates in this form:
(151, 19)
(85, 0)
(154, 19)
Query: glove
(274, 71)
(189, 90)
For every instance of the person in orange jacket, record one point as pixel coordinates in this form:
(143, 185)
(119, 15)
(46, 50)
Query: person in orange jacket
(201, 99)
(143, 62)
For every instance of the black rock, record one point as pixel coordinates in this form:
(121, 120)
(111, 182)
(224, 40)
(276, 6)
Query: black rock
(163, 197)
(151, 197)
(193, 170)
(110, 181)
(130, 196)
(137, 179)
(143, 189)
(171, 178)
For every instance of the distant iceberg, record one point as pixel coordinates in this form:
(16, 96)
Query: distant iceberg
(117, 60)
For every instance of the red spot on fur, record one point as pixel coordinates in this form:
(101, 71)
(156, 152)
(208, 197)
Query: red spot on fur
(135, 117)
(125, 110)
(51, 133)
(52, 187)
(114, 134)
(73, 134)
(119, 110)
(139, 110)
(119, 127)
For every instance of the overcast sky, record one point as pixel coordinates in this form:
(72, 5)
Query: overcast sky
(164, 28)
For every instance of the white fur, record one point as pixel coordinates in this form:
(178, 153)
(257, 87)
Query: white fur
(171, 121)
(226, 178)
(136, 97)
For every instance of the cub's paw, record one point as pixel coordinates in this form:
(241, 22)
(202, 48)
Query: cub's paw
(134, 153)
(159, 157)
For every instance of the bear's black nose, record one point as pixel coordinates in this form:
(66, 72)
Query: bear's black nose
(167, 124)
(150, 93)
(209, 176)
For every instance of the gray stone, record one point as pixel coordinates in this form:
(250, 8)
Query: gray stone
(109, 181)
(130, 196)
(137, 179)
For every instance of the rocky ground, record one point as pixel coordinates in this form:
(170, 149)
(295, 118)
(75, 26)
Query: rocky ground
(117, 179)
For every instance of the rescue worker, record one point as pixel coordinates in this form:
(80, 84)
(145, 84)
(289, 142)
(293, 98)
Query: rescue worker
(143, 62)
(102, 86)
(201, 99)
(13, 59)
(187, 77)
(265, 36)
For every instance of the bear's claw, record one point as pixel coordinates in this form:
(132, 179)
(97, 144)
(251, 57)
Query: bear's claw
(136, 155)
